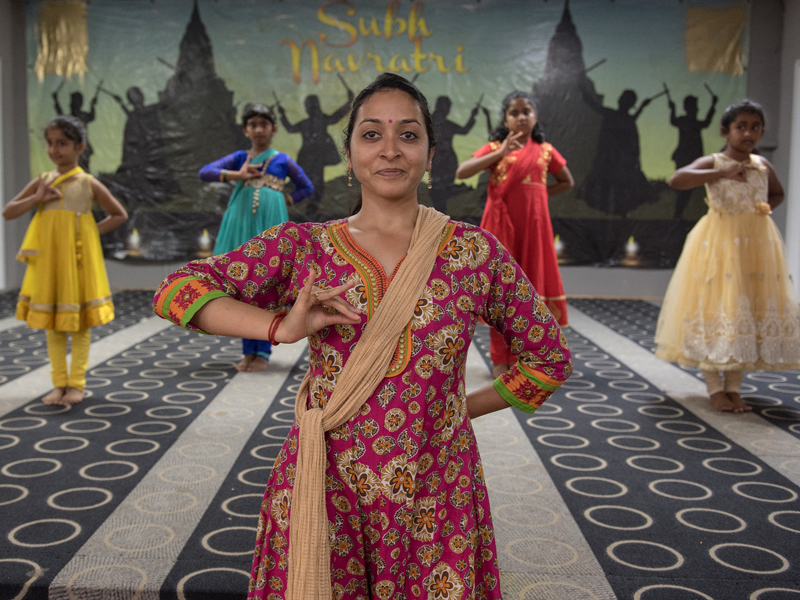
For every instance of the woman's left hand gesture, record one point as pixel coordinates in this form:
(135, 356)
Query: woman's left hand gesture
(310, 311)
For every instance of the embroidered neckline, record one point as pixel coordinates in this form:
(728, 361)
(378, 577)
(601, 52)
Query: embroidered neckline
(368, 267)
(375, 281)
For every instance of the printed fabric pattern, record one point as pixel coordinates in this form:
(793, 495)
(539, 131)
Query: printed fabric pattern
(407, 503)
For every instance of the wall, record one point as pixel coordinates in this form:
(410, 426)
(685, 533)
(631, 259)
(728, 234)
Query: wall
(764, 76)
(774, 46)
(790, 54)
(13, 134)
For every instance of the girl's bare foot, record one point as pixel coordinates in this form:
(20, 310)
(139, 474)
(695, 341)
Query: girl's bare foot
(721, 402)
(259, 363)
(244, 364)
(499, 369)
(739, 405)
(72, 396)
(54, 398)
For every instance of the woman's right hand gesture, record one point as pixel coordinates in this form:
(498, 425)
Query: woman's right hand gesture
(247, 171)
(311, 311)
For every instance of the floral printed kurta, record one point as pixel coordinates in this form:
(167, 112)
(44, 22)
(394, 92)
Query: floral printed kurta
(407, 504)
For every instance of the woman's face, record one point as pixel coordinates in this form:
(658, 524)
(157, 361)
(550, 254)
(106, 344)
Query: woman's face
(520, 117)
(389, 146)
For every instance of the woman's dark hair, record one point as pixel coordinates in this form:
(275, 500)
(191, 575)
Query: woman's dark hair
(257, 110)
(72, 128)
(501, 132)
(743, 106)
(383, 82)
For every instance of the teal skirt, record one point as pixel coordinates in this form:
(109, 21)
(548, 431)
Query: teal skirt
(239, 224)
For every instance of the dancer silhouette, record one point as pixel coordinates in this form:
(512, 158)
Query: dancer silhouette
(445, 161)
(690, 140)
(144, 162)
(616, 184)
(76, 110)
(318, 149)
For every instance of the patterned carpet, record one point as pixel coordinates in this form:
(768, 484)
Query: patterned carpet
(624, 485)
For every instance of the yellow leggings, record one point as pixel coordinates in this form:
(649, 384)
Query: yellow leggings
(57, 350)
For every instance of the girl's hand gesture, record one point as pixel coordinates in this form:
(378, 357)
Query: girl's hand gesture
(310, 311)
(511, 143)
(737, 172)
(36, 192)
(247, 171)
(45, 192)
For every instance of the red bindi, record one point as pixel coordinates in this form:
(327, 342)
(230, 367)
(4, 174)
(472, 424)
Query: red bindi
(390, 120)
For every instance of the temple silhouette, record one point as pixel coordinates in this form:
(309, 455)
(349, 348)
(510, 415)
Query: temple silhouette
(568, 122)
(192, 123)
(198, 116)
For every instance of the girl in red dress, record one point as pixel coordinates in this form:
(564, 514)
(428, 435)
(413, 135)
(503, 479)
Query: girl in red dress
(516, 210)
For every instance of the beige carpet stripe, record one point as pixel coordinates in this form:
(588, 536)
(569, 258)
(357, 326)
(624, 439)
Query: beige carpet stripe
(37, 382)
(10, 323)
(540, 546)
(134, 550)
(778, 449)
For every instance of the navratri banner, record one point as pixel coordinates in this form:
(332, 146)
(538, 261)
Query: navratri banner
(626, 91)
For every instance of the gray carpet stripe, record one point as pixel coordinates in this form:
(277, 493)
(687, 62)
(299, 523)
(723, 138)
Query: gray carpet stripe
(775, 447)
(18, 392)
(137, 546)
(540, 546)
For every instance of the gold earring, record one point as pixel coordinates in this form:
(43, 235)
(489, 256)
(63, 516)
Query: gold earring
(349, 178)
(429, 180)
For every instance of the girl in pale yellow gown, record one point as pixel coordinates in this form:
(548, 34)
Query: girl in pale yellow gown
(731, 305)
(65, 289)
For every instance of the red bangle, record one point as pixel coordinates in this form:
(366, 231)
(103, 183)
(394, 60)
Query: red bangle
(273, 328)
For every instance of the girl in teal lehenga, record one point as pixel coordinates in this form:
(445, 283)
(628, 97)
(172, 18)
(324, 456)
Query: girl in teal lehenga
(258, 201)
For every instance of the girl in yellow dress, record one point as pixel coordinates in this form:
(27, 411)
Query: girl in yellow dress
(65, 289)
(731, 305)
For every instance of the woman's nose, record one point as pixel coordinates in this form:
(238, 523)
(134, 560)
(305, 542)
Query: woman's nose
(390, 147)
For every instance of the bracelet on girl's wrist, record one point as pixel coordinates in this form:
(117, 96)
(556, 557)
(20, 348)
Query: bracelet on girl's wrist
(223, 177)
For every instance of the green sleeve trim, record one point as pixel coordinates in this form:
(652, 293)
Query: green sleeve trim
(198, 304)
(511, 398)
(168, 300)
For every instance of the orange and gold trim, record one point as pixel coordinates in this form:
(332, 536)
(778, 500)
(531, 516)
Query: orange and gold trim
(183, 297)
(525, 388)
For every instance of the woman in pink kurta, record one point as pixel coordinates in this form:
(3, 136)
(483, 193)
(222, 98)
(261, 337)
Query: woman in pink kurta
(407, 505)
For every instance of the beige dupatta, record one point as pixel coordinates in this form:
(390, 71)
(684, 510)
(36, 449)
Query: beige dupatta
(309, 575)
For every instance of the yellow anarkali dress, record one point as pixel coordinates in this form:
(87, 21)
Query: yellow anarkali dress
(731, 303)
(65, 286)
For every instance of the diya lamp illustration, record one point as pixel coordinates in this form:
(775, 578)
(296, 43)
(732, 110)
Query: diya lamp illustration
(134, 243)
(632, 257)
(204, 246)
(559, 246)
